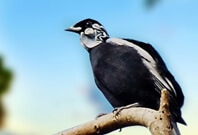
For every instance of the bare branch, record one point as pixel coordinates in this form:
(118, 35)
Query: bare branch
(158, 122)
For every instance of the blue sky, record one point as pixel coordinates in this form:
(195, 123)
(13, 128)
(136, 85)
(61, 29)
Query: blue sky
(53, 87)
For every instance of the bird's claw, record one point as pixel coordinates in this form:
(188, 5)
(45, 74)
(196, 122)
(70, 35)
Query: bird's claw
(117, 110)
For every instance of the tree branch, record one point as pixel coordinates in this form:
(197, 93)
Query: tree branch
(158, 122)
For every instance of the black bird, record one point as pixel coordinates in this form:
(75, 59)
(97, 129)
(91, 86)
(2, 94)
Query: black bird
(128, 71)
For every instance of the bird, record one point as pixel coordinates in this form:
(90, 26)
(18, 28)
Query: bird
(128, 71)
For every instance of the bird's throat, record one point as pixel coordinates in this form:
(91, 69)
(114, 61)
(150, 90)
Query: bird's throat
(89, 42)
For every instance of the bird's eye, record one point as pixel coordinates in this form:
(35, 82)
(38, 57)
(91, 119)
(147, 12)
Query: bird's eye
(88, 24)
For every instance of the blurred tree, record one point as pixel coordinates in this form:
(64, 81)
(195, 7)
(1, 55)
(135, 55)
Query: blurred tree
(5, 79)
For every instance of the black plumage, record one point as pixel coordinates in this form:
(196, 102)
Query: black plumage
(128, 71)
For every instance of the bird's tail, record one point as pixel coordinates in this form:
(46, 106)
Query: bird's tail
(175, 129)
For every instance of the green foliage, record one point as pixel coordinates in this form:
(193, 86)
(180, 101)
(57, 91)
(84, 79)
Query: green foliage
(5, 79)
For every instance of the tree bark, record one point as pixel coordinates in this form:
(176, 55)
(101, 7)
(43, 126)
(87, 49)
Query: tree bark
(158, 122)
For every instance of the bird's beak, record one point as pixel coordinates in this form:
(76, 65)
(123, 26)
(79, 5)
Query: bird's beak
(74, 29)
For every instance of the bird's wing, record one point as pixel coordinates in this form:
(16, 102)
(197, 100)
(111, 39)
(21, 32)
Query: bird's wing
(152, 60)
(162, 69)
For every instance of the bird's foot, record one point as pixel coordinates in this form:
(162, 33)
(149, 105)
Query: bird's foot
(100, 115)
(117, 110)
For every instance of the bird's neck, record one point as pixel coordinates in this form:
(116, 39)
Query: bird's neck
(89, 42)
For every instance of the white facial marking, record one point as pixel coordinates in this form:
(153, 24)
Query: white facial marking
(88, 41)
(89, 31)
(92, 37)
(97, 26)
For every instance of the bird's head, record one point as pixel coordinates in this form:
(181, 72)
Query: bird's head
(92, 33)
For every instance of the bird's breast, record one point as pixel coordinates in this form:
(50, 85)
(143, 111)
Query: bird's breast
(118, 67)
